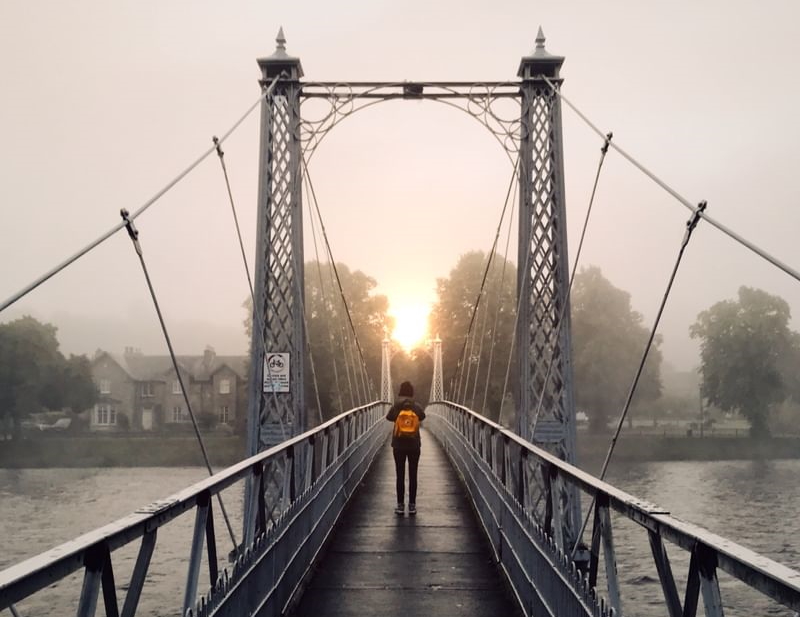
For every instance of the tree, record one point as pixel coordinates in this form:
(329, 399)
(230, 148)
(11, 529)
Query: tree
(608, 340)
(468, 375)
(744, 345)
(35, 375)
(337, 357)
(337, 354)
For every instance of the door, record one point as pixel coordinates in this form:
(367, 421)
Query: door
(147, 419)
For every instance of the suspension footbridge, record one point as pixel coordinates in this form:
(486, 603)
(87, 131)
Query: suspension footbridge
(507, 523)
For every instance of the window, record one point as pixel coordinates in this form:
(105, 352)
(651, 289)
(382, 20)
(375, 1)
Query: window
(224, 386)
(105, 414)
(105, 386)
(176, 387)
(177, 414)
(147, 389)
(224, 414)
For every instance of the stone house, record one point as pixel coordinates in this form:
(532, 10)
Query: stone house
(143, 392)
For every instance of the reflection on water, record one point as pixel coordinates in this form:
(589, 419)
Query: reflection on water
(751, 502)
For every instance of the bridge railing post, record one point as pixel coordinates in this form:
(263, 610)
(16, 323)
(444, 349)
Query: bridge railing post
(202, 511)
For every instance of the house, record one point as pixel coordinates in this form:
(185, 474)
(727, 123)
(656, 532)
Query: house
(143, 392)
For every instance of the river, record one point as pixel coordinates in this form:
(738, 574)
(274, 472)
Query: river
(752, 502)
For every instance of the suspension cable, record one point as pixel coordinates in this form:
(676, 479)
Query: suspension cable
(257, 322)
(459, 367)
(690, 226)
(94, 244)
(338, 279)
(685, 202)
(325, 302)
(133, 233)
(557, 332)
(497, 307)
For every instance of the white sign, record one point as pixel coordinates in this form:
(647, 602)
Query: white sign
(276, 372)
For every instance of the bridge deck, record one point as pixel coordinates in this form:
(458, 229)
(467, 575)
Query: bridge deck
(436, 563)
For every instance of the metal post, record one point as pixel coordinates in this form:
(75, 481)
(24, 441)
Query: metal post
(437, 384)
(542, 285)
(386, 371)
(276, 409)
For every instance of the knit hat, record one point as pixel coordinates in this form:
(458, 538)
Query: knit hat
(406, 389)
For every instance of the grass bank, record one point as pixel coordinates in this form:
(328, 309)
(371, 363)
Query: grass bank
(223, 450)
(638, 448)
(120, 451)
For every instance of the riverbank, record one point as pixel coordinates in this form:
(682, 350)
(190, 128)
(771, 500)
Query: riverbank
(120, 451)
(640, 448)
(225, 450)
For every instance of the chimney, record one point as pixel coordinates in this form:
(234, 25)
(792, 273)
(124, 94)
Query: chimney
(208, 355)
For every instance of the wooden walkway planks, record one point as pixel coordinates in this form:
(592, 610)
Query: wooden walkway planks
(381, 564)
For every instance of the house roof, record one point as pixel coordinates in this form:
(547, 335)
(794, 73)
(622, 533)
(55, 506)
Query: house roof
(155, 368)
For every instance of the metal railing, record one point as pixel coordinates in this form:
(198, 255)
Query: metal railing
(317, 472)
(497, 467)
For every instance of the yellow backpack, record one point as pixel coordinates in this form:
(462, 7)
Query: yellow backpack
(406, 424)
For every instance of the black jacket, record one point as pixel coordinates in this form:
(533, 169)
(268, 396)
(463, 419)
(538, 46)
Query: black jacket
(405, 443)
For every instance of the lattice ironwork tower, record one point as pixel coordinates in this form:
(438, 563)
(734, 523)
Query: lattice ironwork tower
(543, 274)
(437, 384)
(277, 409)
(386, 370)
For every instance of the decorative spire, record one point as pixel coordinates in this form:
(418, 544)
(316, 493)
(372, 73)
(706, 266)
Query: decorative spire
(280, 62)
(540, 39)
(281, 40)
(540, 61)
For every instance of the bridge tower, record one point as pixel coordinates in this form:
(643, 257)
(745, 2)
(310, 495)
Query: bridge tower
(437, 385)
(277, 409)
(543, 274)
(386, 371)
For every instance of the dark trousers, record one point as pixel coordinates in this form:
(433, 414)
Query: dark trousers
(400, 466)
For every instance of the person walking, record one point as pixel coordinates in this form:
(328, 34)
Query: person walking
(406, 414)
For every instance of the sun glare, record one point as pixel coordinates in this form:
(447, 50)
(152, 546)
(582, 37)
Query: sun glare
(411, 324)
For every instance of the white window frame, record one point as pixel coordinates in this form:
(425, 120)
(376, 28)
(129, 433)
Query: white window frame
(224, 414)
(176, 387)
(177, 414)
(147, 389)
(105, 386)
(105, 414)
(224, 386)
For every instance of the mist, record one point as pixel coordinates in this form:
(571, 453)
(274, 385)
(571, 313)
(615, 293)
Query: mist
(106, 103)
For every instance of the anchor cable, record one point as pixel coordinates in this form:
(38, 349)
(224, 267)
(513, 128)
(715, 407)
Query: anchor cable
(685, 202)
(133, 233)
(94, 244)
(690, 227)
(557, 333)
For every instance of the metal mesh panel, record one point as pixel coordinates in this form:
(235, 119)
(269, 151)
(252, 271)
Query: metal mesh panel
(279, 285)
(543, 285)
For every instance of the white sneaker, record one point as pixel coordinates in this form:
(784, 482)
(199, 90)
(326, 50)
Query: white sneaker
(400, 509)
(412, 509)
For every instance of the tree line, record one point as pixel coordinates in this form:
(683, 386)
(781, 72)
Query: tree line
(748, 364)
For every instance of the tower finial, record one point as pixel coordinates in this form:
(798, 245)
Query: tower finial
(540, 39)
(281, 40)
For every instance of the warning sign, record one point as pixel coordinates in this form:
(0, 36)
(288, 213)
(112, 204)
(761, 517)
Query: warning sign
(276, 372)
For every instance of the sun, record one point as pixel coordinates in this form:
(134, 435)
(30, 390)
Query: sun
(411, 323)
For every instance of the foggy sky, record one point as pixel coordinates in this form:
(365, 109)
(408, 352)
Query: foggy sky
(104, 102)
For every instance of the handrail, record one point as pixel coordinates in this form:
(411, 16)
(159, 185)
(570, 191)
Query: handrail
(769, 577)
(32, 575)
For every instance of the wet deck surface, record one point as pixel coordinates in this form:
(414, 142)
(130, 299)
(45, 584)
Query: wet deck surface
(435, 563)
